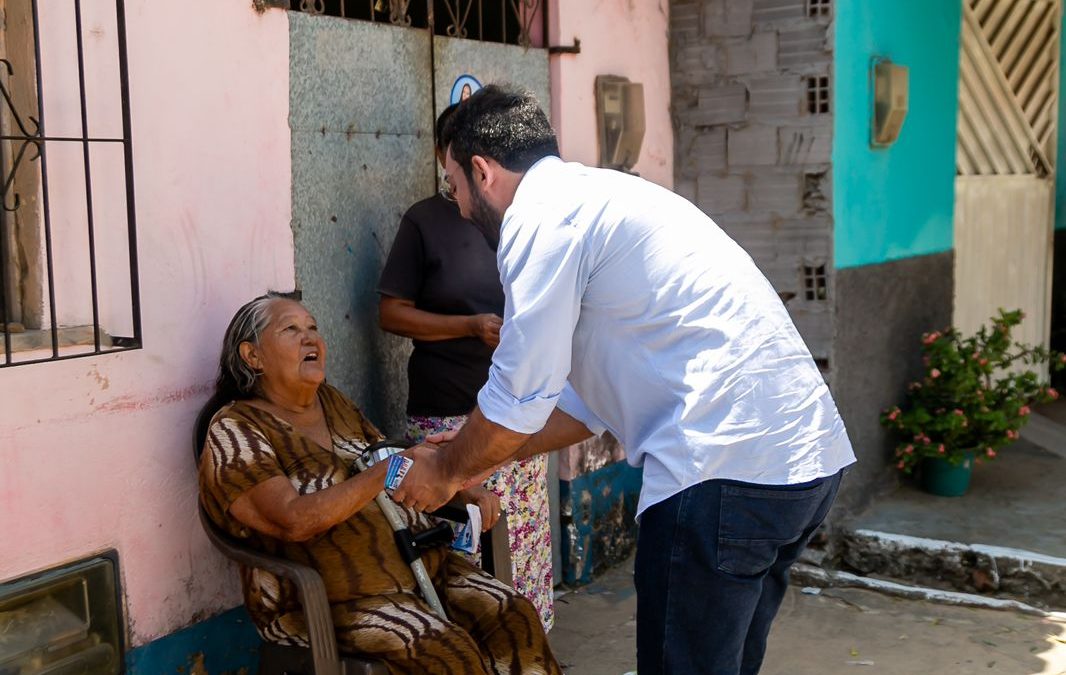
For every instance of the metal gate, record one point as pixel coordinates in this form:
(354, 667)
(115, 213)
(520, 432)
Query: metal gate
(364, 95)
(367, 81)
(1005, 187)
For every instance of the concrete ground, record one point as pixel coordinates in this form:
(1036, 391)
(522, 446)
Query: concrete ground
(835, 631)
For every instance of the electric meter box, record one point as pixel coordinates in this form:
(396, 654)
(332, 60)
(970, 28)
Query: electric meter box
(63, 620)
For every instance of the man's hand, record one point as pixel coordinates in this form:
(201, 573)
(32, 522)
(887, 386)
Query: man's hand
(425, 487)
(486, 501)
(486, 327)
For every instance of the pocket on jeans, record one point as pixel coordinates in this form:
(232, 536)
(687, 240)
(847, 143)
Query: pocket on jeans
(755, 522)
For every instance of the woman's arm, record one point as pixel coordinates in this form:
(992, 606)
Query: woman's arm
(274, 508)
(400, 316)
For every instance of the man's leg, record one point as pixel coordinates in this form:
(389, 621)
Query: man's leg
(703, 557)
(690, 618)
(776, 583)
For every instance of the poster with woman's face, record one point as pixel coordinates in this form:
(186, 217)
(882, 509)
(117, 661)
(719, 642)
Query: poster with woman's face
(464, 87)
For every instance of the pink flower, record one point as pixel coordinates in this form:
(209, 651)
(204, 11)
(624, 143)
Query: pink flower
(1024, 410)
(934, 373)
(983, 362)
(940, 448)
(900, 465)
(957, 412)
(1012, 434)
(1052, 393)
(1062, 358)
(930, 338)
(894, 414)
(909, 450)
(990, 452)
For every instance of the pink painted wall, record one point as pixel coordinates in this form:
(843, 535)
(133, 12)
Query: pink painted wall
(95, 452)
(618, 37)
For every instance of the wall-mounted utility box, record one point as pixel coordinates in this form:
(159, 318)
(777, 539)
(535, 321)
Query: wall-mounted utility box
(890, 102)
(64, 620)
(620, 120)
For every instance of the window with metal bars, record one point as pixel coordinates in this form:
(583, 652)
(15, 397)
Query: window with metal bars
(506, 21)
(818, 94)
(68, 248)
(815, 282)
(819, 8)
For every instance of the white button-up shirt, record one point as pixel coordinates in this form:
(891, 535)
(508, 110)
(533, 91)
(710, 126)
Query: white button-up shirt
(633, 312)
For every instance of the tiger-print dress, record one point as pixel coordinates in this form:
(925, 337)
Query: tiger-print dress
(376, 608)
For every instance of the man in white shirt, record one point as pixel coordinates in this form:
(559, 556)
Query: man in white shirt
(629, 310)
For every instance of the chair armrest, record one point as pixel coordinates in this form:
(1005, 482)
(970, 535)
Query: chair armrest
(309, 586)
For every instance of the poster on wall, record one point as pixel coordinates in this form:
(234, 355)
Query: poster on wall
(464, 86)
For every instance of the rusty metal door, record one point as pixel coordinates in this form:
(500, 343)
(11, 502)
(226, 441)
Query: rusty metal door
(362, 148)
(365, 90)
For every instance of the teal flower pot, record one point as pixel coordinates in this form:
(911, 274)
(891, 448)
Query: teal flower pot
(941, 477)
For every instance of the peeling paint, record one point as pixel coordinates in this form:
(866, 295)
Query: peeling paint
(816, 576)
(598, 511)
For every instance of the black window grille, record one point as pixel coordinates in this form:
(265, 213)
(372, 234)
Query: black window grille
(819, 8)
(68, 247)
(504, 21)
(815, 282)
(818, 94)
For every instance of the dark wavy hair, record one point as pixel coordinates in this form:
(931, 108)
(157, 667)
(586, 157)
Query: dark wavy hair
(501, 123)
(236, 380)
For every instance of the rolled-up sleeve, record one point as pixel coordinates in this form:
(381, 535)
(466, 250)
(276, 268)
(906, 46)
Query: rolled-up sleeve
(544, 274)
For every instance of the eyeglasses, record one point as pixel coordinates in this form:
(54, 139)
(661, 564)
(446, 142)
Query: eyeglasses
(446, 190)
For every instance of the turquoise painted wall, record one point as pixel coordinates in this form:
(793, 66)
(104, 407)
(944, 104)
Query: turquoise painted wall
(226, 644)
(896, 202)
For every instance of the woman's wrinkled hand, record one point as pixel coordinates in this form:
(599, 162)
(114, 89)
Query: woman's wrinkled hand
(443, 438)
(486, 327)
(487, 502)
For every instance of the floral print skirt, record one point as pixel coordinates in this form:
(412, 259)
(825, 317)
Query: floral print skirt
(523, 491)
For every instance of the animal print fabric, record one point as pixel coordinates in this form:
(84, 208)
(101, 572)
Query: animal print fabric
(376, 608)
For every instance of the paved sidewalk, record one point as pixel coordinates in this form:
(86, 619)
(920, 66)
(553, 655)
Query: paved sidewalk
(836, 631)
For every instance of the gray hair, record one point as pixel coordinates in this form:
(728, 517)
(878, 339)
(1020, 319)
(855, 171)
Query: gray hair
(235, 376)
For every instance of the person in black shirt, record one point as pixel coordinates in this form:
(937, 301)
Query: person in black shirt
(441, 288)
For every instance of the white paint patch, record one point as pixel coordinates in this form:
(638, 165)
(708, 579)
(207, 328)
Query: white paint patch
(846, 579)
(1018, 555)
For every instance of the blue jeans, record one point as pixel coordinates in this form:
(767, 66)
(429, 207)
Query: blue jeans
(712, 568)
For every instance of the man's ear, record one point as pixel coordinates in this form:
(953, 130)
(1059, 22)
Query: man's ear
(250, 355)
(482, 171)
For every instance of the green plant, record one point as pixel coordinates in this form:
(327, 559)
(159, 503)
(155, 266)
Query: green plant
(973, 398)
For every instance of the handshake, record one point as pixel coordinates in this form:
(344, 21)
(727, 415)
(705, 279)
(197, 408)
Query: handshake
(417, 477)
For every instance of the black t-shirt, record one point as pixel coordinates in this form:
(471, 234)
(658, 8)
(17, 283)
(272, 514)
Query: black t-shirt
(442, 262)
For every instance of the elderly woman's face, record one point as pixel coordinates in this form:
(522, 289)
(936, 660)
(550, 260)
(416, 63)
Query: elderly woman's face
(290, 350)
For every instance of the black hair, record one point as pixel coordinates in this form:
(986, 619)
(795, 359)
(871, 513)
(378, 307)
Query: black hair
(500, 123)
(442, 120)
(236, 380)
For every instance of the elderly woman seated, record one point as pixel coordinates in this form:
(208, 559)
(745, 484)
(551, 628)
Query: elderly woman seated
(277, 471)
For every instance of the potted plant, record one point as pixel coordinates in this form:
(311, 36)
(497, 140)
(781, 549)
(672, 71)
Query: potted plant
(975, 396)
